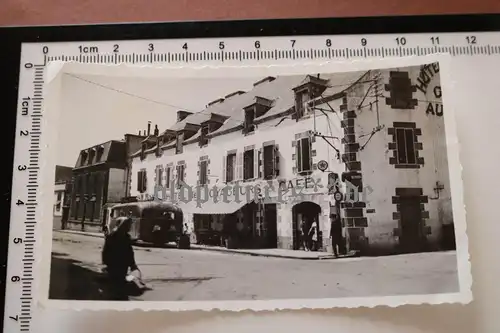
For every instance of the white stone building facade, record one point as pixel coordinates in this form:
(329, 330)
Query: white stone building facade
(381, 131)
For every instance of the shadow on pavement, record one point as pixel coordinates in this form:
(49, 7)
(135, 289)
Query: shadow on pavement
(70, 281)
(181, 279)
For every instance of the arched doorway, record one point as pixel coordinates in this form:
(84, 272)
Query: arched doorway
(308, 211)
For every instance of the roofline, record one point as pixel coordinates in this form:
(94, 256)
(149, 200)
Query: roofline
(258, 121)
(101, 144)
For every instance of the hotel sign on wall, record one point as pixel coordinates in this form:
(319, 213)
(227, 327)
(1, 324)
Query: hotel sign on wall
(426, 83)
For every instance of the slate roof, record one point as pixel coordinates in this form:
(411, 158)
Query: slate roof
(279, 90)
(112, 151)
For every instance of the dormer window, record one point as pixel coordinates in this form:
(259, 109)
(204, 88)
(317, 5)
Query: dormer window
(257, 109)
(209, 126)
(100, 152)
(205, 129)
(91, 155)
(84, 156)
(311, 88)
(248, 125)
(301, 98)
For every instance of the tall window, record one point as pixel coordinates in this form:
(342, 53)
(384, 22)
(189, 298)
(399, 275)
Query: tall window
(269, 161)
(249, 120)
(159, 176)
(405, 145)
(230, 167)
(248, 164)
(180, 174)
(203, 172)
(304, 156)
(141, 181)
(401, 91)
(167, 177)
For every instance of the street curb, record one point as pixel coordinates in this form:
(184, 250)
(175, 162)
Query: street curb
(247, 253)
(83, 233)
(223, 250)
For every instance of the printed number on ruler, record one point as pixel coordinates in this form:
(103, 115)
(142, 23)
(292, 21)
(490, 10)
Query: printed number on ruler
(34, 57)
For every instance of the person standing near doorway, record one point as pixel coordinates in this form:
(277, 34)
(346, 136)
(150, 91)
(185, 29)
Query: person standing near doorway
(313, 234)
(336, 233)
(304, 234)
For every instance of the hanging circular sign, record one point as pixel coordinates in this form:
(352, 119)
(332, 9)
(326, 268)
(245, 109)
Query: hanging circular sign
(322, 165)
(338, 196)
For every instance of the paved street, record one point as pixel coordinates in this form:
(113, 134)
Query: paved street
(203, 275)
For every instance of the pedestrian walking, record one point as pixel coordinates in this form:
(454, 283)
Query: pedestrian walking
(118, 256)
(304, 236)
(313, 234)
(336, 233)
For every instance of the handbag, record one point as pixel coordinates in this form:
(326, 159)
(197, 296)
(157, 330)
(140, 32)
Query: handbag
(135, 285)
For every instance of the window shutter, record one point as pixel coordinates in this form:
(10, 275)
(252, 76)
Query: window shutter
(239, 166)
(167, 177)
(276, 156)
(309, 153)
(139, 181)
(175, 175)
(157, 173)
(145, 180)
(298, 156)
(261, 163)
(224, 166)
(256, 157)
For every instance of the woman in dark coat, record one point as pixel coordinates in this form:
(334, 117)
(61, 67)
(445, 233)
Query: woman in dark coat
(118, 256)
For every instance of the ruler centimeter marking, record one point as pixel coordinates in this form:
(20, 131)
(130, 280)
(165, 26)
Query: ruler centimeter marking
(258, 55)
(265, 50)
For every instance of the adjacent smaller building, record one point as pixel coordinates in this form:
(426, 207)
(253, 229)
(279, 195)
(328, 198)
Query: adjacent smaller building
(62, 188)
(100, 179)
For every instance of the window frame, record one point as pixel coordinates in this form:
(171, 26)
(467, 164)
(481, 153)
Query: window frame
(203, 169)
(233, 169)
(249, 167)
(300, 152)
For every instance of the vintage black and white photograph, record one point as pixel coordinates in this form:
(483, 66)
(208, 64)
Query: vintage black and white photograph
(310, 184)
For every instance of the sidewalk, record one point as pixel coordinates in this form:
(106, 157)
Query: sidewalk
(276, 253)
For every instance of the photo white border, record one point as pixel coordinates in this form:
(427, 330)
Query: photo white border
(51, 111)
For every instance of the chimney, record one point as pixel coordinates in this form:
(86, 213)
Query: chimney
(156, 132)
(266, 79)
(181, 115)
(149, 128)
(139, 132)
